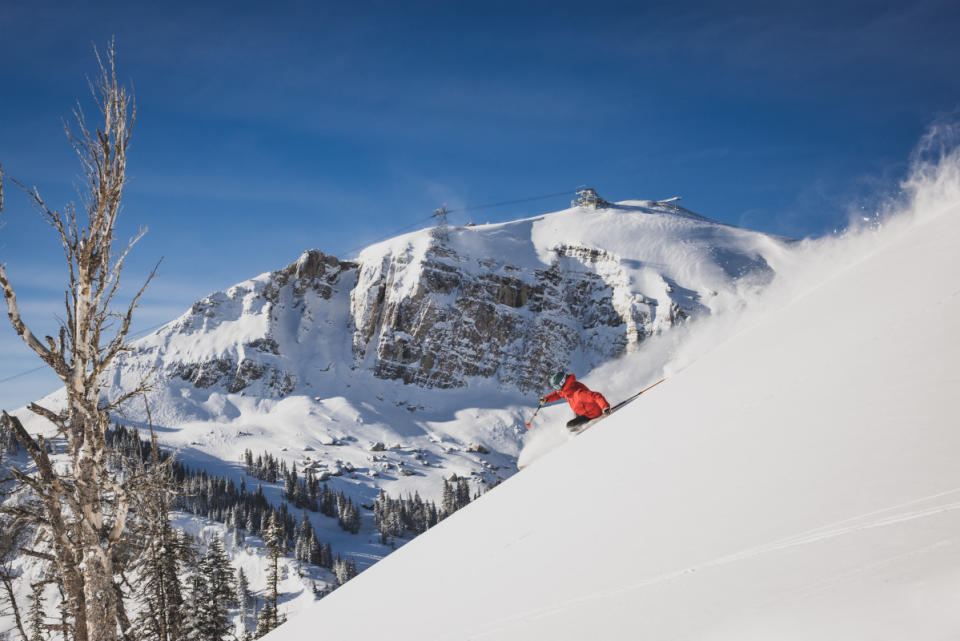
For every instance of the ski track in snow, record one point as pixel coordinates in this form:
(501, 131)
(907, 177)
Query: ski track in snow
(860, 570)
(832, 530)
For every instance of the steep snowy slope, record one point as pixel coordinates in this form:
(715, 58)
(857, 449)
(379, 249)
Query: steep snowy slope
(436, 346)
(798, 481)
(420, 359)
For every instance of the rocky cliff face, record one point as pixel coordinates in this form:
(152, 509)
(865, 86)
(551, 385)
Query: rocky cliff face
(234, 339)
(506, 302)
(501, 321)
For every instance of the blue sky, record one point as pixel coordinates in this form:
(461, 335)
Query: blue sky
(267, 128)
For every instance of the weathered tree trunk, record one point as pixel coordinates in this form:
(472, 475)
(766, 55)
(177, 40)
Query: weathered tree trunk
(83, 506)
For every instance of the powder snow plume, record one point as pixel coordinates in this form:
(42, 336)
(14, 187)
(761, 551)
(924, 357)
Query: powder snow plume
(931, 187)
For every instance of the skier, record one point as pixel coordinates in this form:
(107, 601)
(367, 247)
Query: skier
(586, 404)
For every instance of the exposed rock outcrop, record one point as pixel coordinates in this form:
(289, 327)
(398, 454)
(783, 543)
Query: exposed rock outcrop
(499, 321)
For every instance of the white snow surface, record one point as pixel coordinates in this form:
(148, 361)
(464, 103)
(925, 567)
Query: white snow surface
(797, 479)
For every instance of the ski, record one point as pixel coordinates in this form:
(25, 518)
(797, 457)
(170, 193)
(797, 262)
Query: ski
(583, 427)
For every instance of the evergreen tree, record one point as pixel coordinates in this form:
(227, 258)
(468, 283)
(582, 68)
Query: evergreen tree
(344, 570)
(432, 517)
(326, 556)
(273, 539)
(349, 515)
(194, 615)
(244, 600)
(290, 485)
(305, 540)
(266, 621)
(463, 492)
(219, 591)
(211, 592)
(316, 551)
(236, 524)
(159, 590)
(8, 442)
(163, 551)
(449, 501)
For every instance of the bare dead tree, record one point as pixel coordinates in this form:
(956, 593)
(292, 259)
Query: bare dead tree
(12, 533)
(82, 508)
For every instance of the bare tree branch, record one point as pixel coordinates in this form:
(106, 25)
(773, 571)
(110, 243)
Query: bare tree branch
(7, 580)
(57, 419)
(13, 311)
(38, 555)
(118, 343)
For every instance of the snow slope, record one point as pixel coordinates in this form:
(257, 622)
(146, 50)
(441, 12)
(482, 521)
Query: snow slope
(303, 362)
(797, 481)
(321, 360)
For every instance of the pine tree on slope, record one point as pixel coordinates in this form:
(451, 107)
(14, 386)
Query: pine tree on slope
(194, 610)
(245, 604)
(220, 591)
(449, 501)
(273, 539)
(164, 552)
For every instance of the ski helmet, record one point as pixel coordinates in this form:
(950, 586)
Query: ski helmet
(557, 380)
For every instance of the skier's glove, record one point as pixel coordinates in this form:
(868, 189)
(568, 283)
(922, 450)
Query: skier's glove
(543, 401)
(607, 411)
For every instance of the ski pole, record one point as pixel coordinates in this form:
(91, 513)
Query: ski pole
(539, 405)
(652, 386)
(630, 398)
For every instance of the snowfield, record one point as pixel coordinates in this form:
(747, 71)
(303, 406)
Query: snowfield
(308, 363)
(797, 479)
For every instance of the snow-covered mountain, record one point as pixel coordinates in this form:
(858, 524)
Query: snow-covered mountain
(798, 480)
(434, 343)
(505, 302)
(421, 358)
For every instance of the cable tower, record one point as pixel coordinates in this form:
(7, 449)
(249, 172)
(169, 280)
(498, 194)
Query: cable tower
(442, 231)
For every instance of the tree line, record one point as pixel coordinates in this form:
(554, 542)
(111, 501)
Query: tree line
(179, 591)
(413, 515)
(306, 491)
(219, 499)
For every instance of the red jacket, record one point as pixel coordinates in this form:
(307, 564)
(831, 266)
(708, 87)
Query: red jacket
(582, 401)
